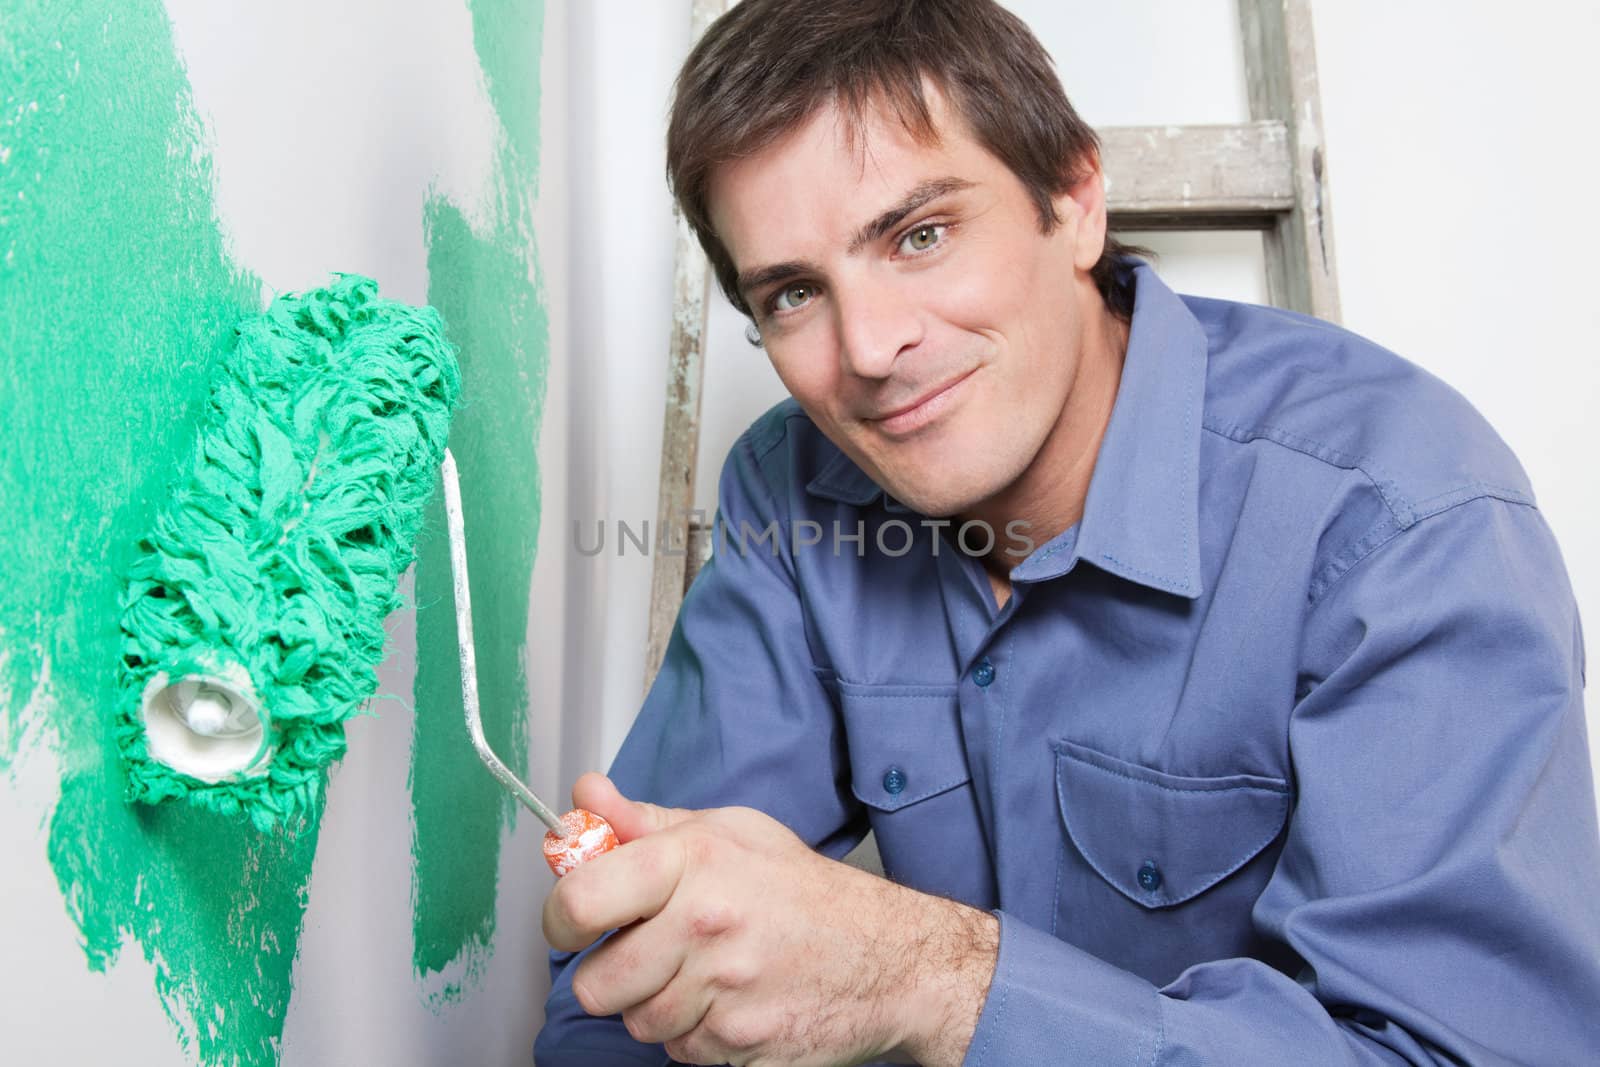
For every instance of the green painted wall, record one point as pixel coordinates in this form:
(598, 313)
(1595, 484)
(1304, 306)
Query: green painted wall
(117, 296)
(485, 282)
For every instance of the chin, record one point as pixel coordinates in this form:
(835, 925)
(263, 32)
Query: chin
(938, 502)
(954, 476)
(964, 479)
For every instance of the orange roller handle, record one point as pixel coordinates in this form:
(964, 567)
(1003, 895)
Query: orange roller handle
(587, 836)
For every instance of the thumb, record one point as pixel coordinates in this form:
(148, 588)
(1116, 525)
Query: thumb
(629, 818)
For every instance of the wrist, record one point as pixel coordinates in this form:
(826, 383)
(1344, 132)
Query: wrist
(950, 957)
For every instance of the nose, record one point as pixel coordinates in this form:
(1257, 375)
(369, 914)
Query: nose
(877, 321)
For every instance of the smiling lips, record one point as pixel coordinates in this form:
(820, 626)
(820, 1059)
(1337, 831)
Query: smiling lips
(921, 412)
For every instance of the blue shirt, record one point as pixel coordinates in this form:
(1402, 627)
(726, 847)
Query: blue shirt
(1277, 756)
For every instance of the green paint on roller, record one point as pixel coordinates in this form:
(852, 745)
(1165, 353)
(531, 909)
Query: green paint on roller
(118, 299)
(271, 568)
(483, 281)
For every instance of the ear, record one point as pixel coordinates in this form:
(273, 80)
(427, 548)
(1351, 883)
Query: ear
(1083, 208)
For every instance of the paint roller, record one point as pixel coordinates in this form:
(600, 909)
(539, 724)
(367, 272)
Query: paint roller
(252, 620)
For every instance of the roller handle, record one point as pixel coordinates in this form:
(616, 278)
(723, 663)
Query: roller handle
(572, 838)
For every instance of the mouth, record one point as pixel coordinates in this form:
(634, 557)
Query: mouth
(920, 413)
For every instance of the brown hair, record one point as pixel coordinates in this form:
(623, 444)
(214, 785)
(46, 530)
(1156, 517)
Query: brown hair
(766, 66)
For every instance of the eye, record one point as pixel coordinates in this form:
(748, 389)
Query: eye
(793, 297)
(922, 238)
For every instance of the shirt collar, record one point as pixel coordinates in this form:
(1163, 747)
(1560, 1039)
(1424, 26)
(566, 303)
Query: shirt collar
(1141, 516)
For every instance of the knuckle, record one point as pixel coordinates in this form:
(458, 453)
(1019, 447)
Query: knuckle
(620, 952)
(736, 971)
(695, 1047)
(588, 997)
(649, 861)
(567, 925)
(651, 1021)
(638, 1027)
(711, 919)
(703, 847)
(746, 820)
(578, 911)
(557, 927)
(681, 1049)
(738, 1032)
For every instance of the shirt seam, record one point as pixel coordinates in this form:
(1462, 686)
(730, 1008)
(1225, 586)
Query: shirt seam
(1161, 1030)
(1053, 549)
(1387, 489)
(1000, 718)
(779, 431)
(1179, 584)
(933, 690)
(1382, 534)
(1405, 512)
(790, 569)
(1061, 864)
(1172, 788)
(772, 502)
(896, 803)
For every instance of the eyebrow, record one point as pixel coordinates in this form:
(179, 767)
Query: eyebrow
(920, 195)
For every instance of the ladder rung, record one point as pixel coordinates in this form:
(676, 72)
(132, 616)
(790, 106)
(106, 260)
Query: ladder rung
(1198, 177)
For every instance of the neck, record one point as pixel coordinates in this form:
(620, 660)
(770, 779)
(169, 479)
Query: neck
(1049, 495)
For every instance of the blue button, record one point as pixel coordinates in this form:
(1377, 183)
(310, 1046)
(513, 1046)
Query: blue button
(894, 781)
(983, 673)
(1150, 876)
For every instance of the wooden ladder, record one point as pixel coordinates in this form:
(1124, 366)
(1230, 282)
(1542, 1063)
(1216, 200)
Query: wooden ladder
(1269, 174)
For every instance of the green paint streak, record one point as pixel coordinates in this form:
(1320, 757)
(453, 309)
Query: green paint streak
(118, 299)
(483, 282)
(507, 37)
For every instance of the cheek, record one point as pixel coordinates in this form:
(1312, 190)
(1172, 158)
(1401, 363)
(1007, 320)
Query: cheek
(809, 371)
(995, 287)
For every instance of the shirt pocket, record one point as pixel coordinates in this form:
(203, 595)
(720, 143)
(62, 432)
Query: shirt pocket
(908, 765)
(1160, 871)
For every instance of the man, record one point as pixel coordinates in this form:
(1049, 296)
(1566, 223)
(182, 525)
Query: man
(1207, 675)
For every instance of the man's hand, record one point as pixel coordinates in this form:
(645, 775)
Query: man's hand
(749, 948)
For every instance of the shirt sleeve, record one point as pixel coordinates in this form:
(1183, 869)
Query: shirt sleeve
(736, 716)
(1440, 877)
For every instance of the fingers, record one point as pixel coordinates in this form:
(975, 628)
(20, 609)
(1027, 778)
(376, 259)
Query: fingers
(633, 881)
(672, 1014)
(629, 818)
(631, 967)
(657, 1005)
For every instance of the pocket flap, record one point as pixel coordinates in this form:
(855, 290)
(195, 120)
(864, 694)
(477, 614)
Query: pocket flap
(1160, 838)
(904, 741)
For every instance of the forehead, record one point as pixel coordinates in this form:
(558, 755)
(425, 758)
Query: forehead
(822, 179)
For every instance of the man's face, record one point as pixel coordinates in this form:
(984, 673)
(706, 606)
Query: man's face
(909, 300)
